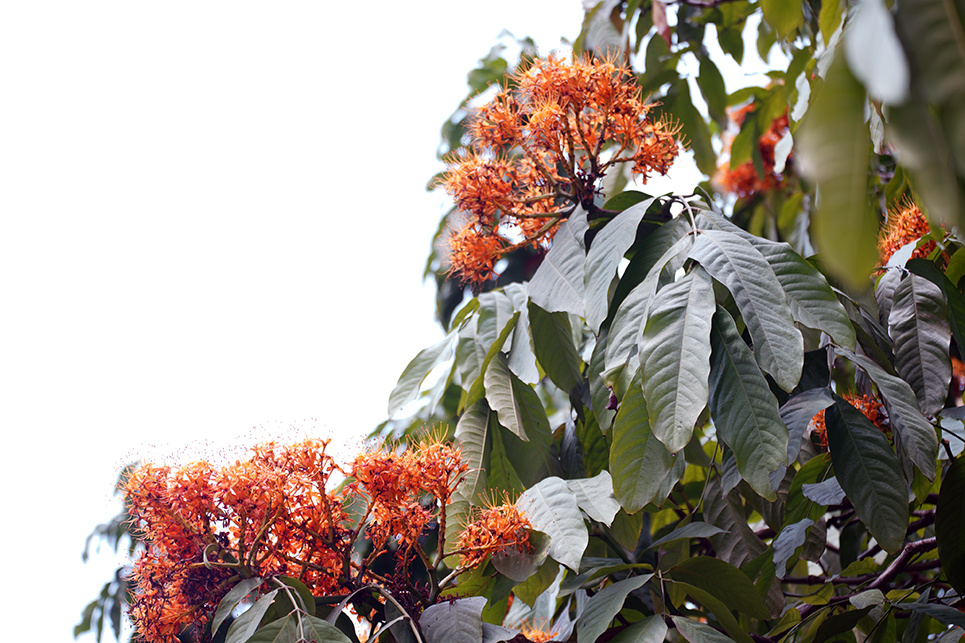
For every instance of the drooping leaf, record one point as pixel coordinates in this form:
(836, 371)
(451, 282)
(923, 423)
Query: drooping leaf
(932, 31)
(415, 373)
(605, 254)
(737, 543)
(604, 606)
(874, 53)
(697, 632)
(954, 299)
(918, 325)
(552, 508)
(941, 613)
(733, 261)
(631, 317)
(652, 629)
(653, 247)
(477, 389)
(245, 625)
(916, 437)
(711, 84)
(554, 348)
(828, 492)
(784, 15)
(788, 541)
(510, 397)
(471, 435)
(595, 497)
(557, 285)
(690, 530)
(723, 581)
(519, 565)
(797, 413)
(599, 393)
(869, 472)
(458, 621)
(950, 524)
(230, 601)
(744, 410)
(675, 357)
(638, 461)
(835, 146)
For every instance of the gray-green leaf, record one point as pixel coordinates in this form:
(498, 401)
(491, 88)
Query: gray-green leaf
(552, 508)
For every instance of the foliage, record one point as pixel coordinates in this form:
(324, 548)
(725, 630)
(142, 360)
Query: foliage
(696, 428)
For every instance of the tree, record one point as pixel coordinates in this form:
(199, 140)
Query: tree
(662, 417)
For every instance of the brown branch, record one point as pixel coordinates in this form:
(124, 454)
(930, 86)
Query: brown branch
(901, 561)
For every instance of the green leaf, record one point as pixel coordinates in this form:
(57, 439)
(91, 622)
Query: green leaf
(869, 472)
(784, 15)
(471, 435)
(835, 145)
(519, 565)
(698, 632)
(501, 475)
(711, 85)
(737, 543)
(638, 461)
(675, 357)
(797, 413)
(557, 285)
(284, 630)
(412, 377)
(553, 344)
(744, 410)
(477, 389)
(603, 258)
(918, 325)
(603, 607)
(599, 393)
(537, 583)
(950, 524)
(941, 613)
(631, 316)
(787, 543)
(652, 629)
(954, 299)
(458, 621)
(829, 19)
(733, 261)
(686, 532)
(934, 36)
(552, 508)
(245, 625)
(595, 497)
(230, 601)
(724, 582)
(300, 591)
(514, 401)
(916, 437)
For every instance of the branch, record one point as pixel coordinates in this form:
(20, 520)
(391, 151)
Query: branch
(898, 565)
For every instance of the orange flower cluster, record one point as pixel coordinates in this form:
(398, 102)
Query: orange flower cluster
(743, 180)
(905, 224)
(407, 489)
(537, 151)
(537, 633)
(494, 529)
(202, 526)
(869, 406)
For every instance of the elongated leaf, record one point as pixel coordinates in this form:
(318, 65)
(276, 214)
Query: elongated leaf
(737, 543)
(554, 348)
(915, 436)
(245, 625)
(599, 393)
(284, 630)
(646, 256)
(522, 359)
(519, 565)
(477, 389)
(950, 524)
(631, 317)
(638, 461)
(733, 261)
(797, 413)
(718, 608)
(698, 632)
(675, 358)
(933, 33)
(319, 630)
(551, 508)
(471, 435)
(650, 630)
(517, 411)
(595, 497)
(723, 581)
(941, 613)
(606, 252)
(557, 285)
(869, 472)
(458, 621)
(784, 15)
(604, 606)
(835, 145)
(744, 410)
(828, 492)
(412, 377)
(690, 530)
(918, 325)
(787, 542)
(231, 600)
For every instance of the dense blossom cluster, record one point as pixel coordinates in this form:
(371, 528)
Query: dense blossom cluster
(495, 528)
(540, 147)
(905, 224)
(205, 527)
(744, 180)
(869, 406)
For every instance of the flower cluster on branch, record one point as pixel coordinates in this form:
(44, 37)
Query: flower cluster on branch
(744, 179)
(539, 148)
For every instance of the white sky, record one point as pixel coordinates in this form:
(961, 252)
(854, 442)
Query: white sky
(213, 225)
(212, 218)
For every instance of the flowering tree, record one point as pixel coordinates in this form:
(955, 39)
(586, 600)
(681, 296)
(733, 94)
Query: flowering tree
(655, 417)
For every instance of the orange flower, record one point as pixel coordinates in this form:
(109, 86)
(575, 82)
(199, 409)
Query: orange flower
(869, 406)
(743, 180)
(495, 529)
(536, 152)
(537, 633)
(905, 224)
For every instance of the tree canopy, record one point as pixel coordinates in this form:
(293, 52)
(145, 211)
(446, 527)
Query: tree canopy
(733, 415)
